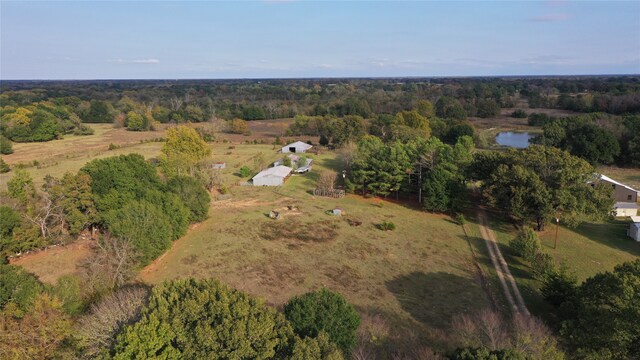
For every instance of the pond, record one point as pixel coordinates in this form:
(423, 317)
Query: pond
(518, 140)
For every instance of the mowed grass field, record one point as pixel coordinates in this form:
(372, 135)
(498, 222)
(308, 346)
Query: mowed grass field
(589, 249)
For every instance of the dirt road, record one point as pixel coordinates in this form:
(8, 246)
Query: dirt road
(509, 287)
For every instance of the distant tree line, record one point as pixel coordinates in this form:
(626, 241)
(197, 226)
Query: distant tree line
(597, 137)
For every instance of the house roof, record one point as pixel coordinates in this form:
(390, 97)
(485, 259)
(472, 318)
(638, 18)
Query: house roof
(635, 219)
(608, 179)
(279, 171)
(300, 144)
(625, 205)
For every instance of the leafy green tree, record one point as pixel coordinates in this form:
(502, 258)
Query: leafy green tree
(4, 167)
(21, 187)
(592, 143)
(543, 182)
(605, 325)
(487, 108)
(193, 194)
(348, 128)
(73, 200)
(320, 348)
(119, 179)
(450, 108)
(99, 112)
(135, 121)
(5, 146)
(19, 288)
(459, 130)
(9, 220)
(183, 149)
(560, 289)
(192, 319)
(526, 244)
(145, 225)
(324, 310)
(245, 171)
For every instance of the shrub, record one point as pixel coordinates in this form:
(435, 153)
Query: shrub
(237, 126)
(324, 141)
(387, 226)
(83, 130)
(541, 265)
(204, 319)
(5, 146)
(519, 114)
(113, 146)
(558, 287)
(245, 171)
(286, 161)
(4, 167)
(526, 244)
(327, 311)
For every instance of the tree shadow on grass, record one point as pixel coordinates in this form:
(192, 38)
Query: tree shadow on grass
(612, 233)
(434, 298)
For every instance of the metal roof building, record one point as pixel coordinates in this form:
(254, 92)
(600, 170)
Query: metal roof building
(274, 176)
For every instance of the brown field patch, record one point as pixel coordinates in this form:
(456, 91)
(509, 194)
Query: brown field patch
(293, 229)
(56, 261)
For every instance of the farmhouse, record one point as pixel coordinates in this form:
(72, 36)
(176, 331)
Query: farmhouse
(621, 192)
(296, 147)
(274, 176)
(634, 228)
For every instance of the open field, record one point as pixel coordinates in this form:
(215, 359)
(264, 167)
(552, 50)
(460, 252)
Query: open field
(408, 277)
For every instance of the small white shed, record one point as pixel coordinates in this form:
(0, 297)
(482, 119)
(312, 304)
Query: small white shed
(296, 147)
(274, 176)
(634, 228)
(624, 209)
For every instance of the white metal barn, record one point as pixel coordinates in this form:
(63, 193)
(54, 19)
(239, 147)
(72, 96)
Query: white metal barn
(274, 176)
(623, 209)
(296, 147)
(634, 228)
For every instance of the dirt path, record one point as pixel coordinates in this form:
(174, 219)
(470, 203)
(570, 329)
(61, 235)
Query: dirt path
(509, 287)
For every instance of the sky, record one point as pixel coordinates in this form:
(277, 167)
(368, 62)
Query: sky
(291, 39)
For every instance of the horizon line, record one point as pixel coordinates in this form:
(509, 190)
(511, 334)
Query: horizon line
(331, 77)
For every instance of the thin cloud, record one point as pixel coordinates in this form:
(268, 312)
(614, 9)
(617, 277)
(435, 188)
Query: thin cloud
(135, 61)
(551, 17)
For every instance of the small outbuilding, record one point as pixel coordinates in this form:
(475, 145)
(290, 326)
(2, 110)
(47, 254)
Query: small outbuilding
(219, 165)
(296, 147)
(634, 228)
(624, 209)
(274, 176)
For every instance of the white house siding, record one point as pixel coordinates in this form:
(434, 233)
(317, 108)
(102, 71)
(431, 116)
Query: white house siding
(268, 181)
(621, 212)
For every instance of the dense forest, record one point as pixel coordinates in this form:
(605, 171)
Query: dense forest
(46, 110)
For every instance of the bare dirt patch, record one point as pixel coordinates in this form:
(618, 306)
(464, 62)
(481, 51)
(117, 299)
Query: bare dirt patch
(56, 261)
(292, 229)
